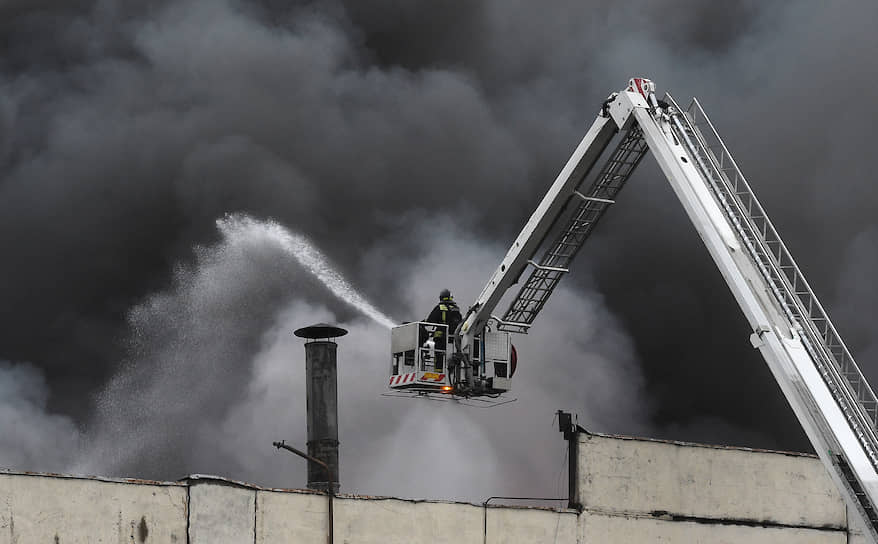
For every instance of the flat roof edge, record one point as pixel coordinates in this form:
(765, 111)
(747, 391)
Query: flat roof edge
(581, 430)
(194, 479)
(108, 479)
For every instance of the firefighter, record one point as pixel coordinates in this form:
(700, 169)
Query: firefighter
(445, 313)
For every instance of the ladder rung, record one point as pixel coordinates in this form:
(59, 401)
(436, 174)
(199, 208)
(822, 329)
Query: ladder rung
(548, 268)
(594, 198)
(511, 323)
(544, 278)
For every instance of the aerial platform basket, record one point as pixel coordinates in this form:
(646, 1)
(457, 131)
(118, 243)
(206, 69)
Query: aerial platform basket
(419, 362)
(422, 361)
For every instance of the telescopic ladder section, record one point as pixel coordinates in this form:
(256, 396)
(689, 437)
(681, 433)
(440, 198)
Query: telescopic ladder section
(789, 286)
(856, 490)
(793, 297)
(591, 205)
(813, 367)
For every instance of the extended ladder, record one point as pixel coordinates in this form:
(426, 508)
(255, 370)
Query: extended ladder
(557, 257)
(794, 297)
(813, 367)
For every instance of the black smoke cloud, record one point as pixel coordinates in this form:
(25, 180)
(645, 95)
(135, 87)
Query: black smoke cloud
(128, 128)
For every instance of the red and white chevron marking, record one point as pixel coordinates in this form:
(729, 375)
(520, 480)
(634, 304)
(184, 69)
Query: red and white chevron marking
(403, 378)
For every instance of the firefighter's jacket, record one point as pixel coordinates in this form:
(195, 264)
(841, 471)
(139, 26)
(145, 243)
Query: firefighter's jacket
(446, 313)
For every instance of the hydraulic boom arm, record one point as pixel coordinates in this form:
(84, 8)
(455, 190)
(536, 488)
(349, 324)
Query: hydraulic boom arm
(520, 255)
(816, 372)
(813, 367)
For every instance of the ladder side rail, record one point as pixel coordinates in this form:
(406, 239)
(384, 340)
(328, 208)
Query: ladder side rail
(842, 390)
(772, 235)
(556, 259)
(542, 280)
(794, 302)
(800, 292)
(586, 154)
(595, 201)
(602, 193)
(804, 388)
(530, 298)
(787, 297)
(791, 283)
(801, 289)
(740, 221)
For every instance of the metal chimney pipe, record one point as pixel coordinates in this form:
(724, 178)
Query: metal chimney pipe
(321, 378)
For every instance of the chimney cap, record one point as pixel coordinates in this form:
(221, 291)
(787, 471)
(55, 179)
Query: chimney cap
(320, 330)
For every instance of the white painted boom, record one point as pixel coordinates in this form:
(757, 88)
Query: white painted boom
(816, 372)
(535, 230)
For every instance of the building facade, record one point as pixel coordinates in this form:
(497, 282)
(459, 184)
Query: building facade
(625, 489)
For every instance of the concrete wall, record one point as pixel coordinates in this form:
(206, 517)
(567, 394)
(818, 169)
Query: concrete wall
(62, 510)
(619, 528)
(395, 521)
(662, 490)
(56, 509)
(631, 490)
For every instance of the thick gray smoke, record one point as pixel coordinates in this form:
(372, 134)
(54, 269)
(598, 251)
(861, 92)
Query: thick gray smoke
(29, 432)
(409, 141)
(216, 369)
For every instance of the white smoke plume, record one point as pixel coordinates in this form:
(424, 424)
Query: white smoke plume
(215, 376)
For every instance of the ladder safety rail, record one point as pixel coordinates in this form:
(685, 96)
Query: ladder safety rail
(594, 199)
(800, 288)
(854, 487)
(793, 297)
(548, 268)
(536, 231)
(547, 273)
(511, 326)
(825, 388)
(786, 281)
